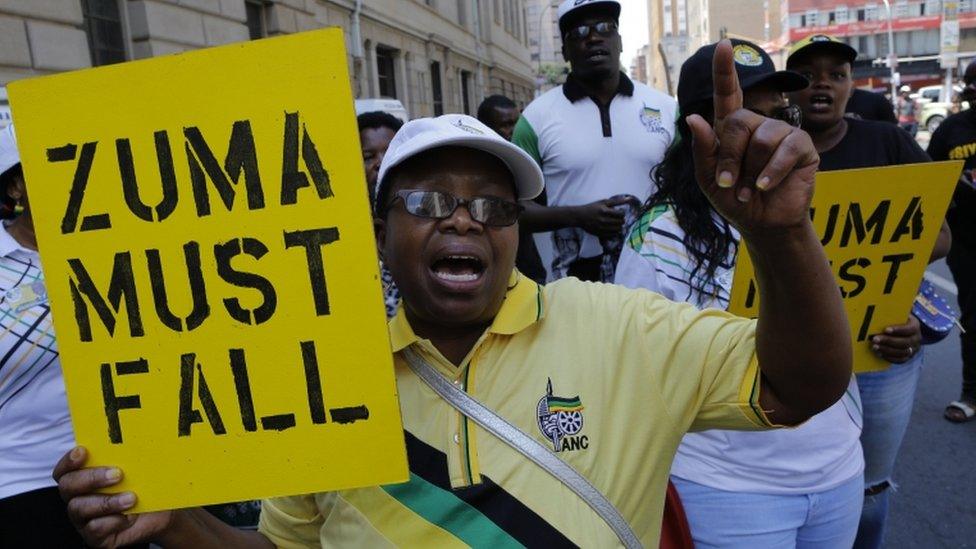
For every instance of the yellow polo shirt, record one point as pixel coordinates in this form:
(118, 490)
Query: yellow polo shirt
(610, 378)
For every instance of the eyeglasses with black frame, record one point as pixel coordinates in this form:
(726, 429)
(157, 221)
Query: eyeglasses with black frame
(580, 32)
(791, 114)
(487, 210)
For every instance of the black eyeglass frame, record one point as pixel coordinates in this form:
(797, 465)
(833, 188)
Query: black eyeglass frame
(458, 201)
(609, 28)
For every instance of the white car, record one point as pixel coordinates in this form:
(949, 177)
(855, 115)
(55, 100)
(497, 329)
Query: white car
(4, 108)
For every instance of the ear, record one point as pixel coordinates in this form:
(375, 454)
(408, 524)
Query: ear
(17, 189)
(565, 53)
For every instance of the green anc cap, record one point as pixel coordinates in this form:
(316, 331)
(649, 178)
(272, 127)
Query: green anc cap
(822, 42)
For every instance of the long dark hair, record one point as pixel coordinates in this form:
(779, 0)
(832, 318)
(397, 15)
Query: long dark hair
(707, 242)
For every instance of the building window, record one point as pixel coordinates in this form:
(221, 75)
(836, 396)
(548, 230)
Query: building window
(840, 15)
(257, 26)
(899, 10)
(103, 25)
(435, 85)
(462, 13)
(386, 71)
(466, 91)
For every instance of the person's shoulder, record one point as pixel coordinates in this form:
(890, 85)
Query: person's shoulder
(901, 147)
(871, 96)
(647, 93)
(573, 292)
(865, 125)
(541, 105)
(876, 129)
(657, 220)
(961, 118)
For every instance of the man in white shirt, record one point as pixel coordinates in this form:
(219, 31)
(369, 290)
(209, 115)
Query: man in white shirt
(596, 137)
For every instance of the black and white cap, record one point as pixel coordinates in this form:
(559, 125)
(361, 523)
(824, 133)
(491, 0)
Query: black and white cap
(570, 9)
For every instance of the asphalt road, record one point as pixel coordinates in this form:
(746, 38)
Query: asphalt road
(935, 505)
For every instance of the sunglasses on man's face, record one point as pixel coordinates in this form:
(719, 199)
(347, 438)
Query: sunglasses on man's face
(791, 114)
(580, 32)
(487, 210)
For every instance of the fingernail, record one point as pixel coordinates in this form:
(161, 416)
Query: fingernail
(875, 339)
(888, 330)
(725, 180)
(875, 348)
(113, 475)
(763, 183)
(126, 499)
(75, 453)
(744, 194)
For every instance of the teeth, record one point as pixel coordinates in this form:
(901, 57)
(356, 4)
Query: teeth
(456, 277)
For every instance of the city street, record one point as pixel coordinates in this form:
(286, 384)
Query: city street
(936, 471)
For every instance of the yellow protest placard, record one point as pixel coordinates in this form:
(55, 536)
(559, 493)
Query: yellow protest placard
(206, 240)
(878, 227)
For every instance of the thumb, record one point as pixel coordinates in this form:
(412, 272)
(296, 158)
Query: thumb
(616, 200)
(704, 147)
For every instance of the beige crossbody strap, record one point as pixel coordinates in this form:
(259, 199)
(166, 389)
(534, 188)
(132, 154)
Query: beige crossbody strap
(526, 445)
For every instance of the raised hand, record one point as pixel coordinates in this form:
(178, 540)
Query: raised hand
(757, 172)
(99, 517)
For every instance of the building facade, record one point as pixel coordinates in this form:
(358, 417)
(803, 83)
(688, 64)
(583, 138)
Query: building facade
(435, 56)
(545, 44)
(915, 26)
(679, 27)
(638, 65)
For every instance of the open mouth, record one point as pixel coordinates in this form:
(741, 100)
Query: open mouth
(821, 101)
(597, 55)
(458, 268)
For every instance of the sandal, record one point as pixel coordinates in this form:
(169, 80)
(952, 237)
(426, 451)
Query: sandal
(960, 412)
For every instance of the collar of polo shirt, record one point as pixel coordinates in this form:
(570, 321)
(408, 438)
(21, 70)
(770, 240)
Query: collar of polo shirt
(574, 91)
(522, 308)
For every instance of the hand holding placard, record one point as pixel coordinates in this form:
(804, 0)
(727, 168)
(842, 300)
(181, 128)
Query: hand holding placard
(212, 271)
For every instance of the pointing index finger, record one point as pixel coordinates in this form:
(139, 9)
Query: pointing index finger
(725, 81)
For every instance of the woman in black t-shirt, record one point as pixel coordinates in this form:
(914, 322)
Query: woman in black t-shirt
(956, 140)
(845, 143)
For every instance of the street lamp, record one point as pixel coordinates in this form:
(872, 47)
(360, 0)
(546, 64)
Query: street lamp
(892, 58)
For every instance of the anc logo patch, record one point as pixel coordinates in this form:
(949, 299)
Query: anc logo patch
(651, 119)
(561, 420)
(746, 56)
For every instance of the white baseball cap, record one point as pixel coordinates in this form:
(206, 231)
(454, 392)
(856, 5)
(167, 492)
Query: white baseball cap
(460, 130)
(569, 6)
(9, 157)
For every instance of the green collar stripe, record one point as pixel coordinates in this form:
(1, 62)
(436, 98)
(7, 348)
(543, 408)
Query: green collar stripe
(447, 511)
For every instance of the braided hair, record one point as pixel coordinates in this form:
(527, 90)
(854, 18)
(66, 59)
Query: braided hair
(708, 243)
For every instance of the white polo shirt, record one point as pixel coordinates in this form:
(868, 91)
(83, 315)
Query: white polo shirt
(35, 427)
(590, 152)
